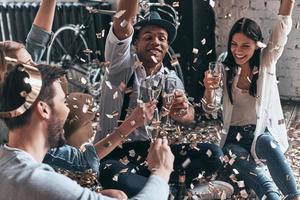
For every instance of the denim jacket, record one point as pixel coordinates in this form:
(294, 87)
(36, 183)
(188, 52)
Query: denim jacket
(71, 158)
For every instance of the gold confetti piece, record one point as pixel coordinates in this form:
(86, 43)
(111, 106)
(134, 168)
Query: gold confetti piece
(231, 161)
(186, 163)
(108, 84)
(195, 51)
(154, 59)
(209, 153)
(119, 14)
(115, 95)
(174, 62)
(238, 137)
(244, 193)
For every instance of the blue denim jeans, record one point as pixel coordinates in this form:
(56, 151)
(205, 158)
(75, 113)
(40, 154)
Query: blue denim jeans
(255, 177)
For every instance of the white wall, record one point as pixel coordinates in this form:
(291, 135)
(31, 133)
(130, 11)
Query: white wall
(264, 12)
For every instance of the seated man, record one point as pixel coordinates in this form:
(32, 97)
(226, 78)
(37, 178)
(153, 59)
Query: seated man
(151, 38)
(34, 110)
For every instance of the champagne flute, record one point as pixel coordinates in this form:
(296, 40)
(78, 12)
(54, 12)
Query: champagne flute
(168, 100)
(216, 70)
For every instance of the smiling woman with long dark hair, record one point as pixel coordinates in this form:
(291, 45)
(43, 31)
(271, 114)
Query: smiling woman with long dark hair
(254, 126)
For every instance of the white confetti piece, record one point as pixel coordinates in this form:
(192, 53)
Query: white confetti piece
(108, 84)
(203, 41)
(116, 177)
(154, 59)
(85, 108)
(238, 137)
(244, 193)
(241, 184)
(209, 153)
(195, 51)
(209, 52)
(186, 162)
(235, 171)
(115, 95)
(273, 145)
(124, 23)
(212, 3)
(131, 153)
(75, 106)
(259, 44)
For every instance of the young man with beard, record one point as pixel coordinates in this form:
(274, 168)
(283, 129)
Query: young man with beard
(35, 111)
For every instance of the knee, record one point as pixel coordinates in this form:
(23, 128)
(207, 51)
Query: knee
(266, 142)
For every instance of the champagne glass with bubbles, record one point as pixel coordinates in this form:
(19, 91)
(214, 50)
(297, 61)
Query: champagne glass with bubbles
(216, 70)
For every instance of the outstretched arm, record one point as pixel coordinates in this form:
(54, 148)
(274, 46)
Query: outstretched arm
(123, 20)
(45, 15)
(286, 7)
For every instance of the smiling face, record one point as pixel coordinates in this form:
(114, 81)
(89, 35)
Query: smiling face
(152, 41)
(242, 48)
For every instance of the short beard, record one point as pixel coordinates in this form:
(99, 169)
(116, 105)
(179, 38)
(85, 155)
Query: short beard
(56, 136)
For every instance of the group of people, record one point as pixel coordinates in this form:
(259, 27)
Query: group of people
(48, 126)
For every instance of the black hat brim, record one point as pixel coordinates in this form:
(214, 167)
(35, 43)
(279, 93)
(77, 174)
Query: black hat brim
(168, 26)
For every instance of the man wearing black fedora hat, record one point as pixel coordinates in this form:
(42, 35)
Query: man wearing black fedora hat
(136, 52)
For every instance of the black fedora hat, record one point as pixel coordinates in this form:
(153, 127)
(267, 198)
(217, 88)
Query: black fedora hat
(153, 18)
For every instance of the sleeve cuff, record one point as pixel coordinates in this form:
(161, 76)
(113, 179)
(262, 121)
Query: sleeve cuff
(112, 38)
(39, 36)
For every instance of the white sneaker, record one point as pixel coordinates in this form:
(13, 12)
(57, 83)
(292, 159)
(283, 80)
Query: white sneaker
(212, 190)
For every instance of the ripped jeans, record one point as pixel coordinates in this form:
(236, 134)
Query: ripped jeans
(255, 177)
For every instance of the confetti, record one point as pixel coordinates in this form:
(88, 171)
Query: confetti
(100, 35)
(238, 137)
(124, 23)
(116, 177)
(273, 145)
(186, 163)
(115, 95)
(132, 153)
(195, 51)
(23, 94)
(154, 59)
(87, 51)
(75, 106)
(108, 84)
(119, 13)
(203, 41)
(209, 153)
(241, 184)
(175, 4)
(235, 171)
(107, 144)
(209, 52)
(259, 44)
(244, 193)
(83, 80)
(297, 25)
(85, 108)
(212, 3)
(132, 123)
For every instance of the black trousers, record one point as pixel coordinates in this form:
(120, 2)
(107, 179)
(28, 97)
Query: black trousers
(125, 169)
